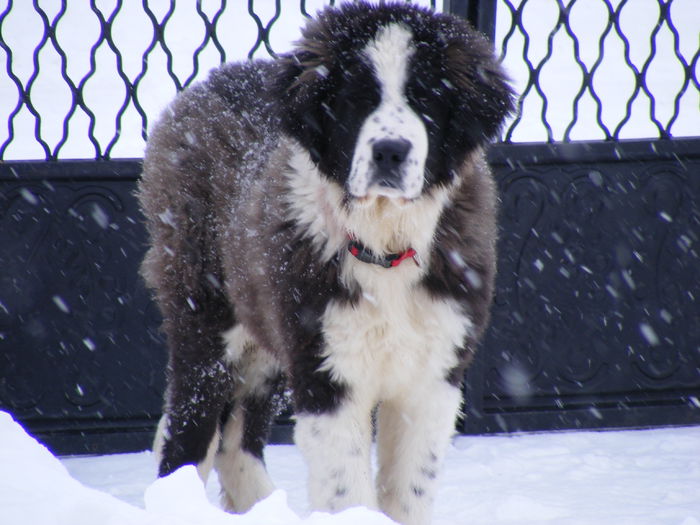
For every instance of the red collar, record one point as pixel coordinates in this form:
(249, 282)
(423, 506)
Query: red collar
(364, 254)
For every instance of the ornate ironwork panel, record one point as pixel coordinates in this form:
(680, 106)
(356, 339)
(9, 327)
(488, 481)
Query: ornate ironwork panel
(596, 321)
(80, 352)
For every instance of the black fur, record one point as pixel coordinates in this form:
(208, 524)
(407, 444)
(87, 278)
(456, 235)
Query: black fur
(454, 84)
(258, 411)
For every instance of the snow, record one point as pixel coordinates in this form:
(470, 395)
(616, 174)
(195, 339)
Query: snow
(36, 488)
(645, 477)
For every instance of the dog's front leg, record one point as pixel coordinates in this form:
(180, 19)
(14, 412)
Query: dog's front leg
(413, 433)
(336, 446)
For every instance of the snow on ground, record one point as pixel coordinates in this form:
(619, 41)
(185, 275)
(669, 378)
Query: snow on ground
(36, 489)
(649, 477)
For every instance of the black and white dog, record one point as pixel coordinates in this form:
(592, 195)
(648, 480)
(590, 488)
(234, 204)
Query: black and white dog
(326, 221)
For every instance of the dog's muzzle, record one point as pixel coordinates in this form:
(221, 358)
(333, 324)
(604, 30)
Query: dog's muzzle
(388, 160)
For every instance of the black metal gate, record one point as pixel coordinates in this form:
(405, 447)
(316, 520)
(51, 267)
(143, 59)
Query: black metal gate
(597, 315)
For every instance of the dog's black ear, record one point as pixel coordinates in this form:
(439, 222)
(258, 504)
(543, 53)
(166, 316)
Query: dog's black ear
(481, 94)
(301, 87)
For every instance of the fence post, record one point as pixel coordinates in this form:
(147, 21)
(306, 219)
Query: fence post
(481, 13)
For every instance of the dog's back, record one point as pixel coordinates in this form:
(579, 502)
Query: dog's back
(200, 161)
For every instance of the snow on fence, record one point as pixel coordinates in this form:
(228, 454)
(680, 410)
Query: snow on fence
(85, 79)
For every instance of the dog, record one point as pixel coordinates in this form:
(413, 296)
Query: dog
(324, 225)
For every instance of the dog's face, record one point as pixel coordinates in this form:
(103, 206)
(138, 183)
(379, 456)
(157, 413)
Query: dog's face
(390, 100)
(391, 147)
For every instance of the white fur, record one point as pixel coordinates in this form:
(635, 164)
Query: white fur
(389, 225)
(336, 447)
(314, 202)
(204, 467)
(382, 224)
(238, 341)
(243, 477)
(159, 439)
(389, 54)
(412, 437)
(396, 337)
(395, 347)
(251, 365)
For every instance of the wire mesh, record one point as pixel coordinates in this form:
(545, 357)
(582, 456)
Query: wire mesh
(85, 79)
(601, 69)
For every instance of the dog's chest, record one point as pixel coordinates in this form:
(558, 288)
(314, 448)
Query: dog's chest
(393, 337)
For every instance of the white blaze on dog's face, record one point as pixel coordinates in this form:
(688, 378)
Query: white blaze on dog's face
(392, 145)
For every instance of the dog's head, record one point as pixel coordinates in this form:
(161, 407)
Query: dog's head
(390, 100)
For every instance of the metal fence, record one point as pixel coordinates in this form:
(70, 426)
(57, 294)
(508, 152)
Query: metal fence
(85, 79)
(601, 69)
(596, 320)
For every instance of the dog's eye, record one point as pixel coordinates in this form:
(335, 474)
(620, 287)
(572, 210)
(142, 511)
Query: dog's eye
(358, 85)
(424, 96)
(355, 97)
(416, 94)
(429, 104)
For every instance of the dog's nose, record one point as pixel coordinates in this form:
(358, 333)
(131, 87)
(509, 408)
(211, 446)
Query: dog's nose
(389, 154)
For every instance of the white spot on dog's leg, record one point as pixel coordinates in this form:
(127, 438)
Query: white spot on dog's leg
(243, 477)
(159, 439)
(242, 474)
(413, 434)
(337, 451)
(237, 341)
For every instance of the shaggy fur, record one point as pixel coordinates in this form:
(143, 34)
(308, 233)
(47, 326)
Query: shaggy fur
(255, 181)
